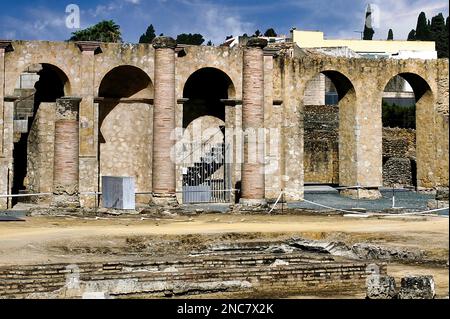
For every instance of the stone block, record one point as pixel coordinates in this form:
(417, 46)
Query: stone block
(417, 287)
(118, 192)
(381, 287)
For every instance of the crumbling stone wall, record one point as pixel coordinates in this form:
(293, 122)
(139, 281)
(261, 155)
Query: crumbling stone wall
(182, 276)
(41, 140)
(321, 144)
(126, 150)
(322, 149)
(399, 157)
(286, 74)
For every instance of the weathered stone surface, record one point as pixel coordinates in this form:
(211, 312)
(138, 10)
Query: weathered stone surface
(257, 43)
(381, 287)
(442, 194)
(361, 193)
(164, 43)
(417, 287)
(377, 252)
(286, 76)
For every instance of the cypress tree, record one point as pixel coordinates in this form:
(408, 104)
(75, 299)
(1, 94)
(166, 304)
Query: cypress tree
(439, 34)
(390, 35)
(412, 35)
(422, 29)
(148, 36)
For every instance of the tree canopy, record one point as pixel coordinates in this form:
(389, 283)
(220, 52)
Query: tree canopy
(412, 35)
(422, 28)
(439, 34)
(436, 30)
(104, 31)
(390, 35)
(148, 36)
(270, 33)
(191, 39)
(257, 33)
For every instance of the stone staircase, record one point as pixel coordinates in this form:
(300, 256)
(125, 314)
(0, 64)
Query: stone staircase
(202, 171)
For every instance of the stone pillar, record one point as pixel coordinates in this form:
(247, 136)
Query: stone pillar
(253, 175)
(88, 110)
(66, 156)
(5, 157)
(164, 166)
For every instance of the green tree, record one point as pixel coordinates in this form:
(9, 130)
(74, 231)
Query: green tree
(422, 29)
(191, 39)
(270, 33)
(104, 31)
(412, 35)
(390, 35)
(439, 34)
(148, 36)
(257, 33)
(210, 44)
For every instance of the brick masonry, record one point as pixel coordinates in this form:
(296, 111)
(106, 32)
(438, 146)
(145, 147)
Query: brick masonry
(253, 174)
(295, 274)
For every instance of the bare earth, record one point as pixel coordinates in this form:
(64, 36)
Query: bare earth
(67, 239)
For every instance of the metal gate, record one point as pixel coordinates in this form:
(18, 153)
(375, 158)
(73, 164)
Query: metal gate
(206, 174)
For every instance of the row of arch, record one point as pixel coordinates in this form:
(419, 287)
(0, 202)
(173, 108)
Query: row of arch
(113, 85)
(205, 91)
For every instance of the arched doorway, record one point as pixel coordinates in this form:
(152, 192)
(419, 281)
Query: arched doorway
(328, 97)
(407, 106)
(38, 88)
(205, 174)
(125, 127)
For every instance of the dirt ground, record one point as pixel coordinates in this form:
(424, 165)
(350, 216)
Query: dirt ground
(67, 239)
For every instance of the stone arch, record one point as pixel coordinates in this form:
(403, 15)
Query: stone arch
(38, 86)
(206, 89)
(423, 166)
(113, 85)
(61, 70)
(329, 153)
(125, 126)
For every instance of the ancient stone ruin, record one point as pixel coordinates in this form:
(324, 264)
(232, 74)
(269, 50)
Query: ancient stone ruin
(144, 111)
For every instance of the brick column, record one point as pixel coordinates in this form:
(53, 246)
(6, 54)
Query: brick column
(253, 176)
(88, 141)
(163, 172)
(66, 161)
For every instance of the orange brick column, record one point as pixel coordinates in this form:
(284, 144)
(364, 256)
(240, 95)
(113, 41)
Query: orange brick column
(164, 183)
(66, 156)
(253, 176)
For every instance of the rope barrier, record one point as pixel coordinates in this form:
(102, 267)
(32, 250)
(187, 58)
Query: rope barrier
(276, 203)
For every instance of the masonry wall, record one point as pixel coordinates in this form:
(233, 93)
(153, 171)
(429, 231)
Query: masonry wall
(360, 158)
(41, 140)
(185, 276)
(322, 149)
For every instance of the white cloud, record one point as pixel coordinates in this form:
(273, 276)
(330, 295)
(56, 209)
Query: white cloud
(401, 15)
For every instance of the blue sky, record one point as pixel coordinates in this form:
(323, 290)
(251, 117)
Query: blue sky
(45, 19)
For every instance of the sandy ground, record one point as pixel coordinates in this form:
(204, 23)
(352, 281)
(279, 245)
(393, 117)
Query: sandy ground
(60, 239)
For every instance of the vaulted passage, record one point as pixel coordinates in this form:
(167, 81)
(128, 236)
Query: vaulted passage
(125, 95)
(407, 148)
(205, 90)
(328, 96)
(38, 88)
(205, 173)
